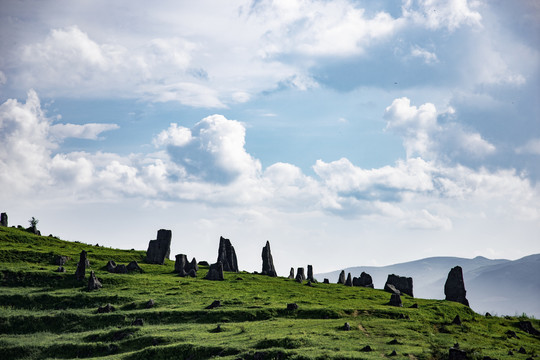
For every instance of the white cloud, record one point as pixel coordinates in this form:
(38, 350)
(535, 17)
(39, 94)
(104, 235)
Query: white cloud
(531, 147)
(428, 57)
(435, 14)
(3, 78)
(88, 131)
(174, 135)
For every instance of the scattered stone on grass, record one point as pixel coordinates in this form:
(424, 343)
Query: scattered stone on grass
(395, 300)
(111, 266)
(393, 353)
(511, 334)
(133, 266)
(105, 309)
(292, 306)
(93, 282)
(526, 326)
(267, 261)
(121, 269)
(488, 314)
(366, 348)
(414, 306)
(137, 322)
(60, 260)
(457, 320)
(61, 269)
(346, 327)
(203, 263)
(214, 304)
(364, 280)
(150, 304)
(326, 281)
(522, 350)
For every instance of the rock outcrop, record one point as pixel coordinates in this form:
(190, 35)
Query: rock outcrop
(364, 280)
(227, 255)
(80, 273)
(341, 279)
(3, 219)
(93, 282)
(215, 272)
(192, 266)
(401, 283)
(112, 267)
(267, 261)
(159, 249)
(454, 288)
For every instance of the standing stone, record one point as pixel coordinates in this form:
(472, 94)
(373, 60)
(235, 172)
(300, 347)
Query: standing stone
(341, 279)
(348, 282)
(300, 273)
(93, 282)
(456, 354)
(133, 266)
(326, 281)
(401, 283)
(395, 300)
(291, 274)
(60, 260)
(227, 255)
(111, 266)
(121, 269)
(267, 261)
(364, 280)
(159, 249)
(454, 288)
(192, 266)
(215, 272)
(310, 273)
(180, 265)
(81, 267)
(3, 219)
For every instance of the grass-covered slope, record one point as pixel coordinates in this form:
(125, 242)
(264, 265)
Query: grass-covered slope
(45, 314)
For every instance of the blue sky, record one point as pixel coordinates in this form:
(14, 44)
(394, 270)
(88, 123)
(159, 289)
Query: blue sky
(344, 132)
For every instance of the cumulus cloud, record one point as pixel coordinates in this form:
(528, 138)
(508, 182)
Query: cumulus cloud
(435, 14)
(427, 56)
(90, 131)
(423, 135)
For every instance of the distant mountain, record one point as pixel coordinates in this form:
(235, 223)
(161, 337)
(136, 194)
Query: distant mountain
(502, 287)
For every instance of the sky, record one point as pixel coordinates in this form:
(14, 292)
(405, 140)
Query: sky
(344, 132)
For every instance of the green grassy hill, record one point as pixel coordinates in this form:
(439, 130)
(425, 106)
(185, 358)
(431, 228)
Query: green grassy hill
(45, 314)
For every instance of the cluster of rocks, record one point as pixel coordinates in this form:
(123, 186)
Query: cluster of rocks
(226, 260)
(112, 267)
(364, 280)
(185, 268)
(399, 284)
(301, 275)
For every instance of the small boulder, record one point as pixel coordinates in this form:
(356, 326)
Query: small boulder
(393, 353)
(414, 306)
(150, 304)
(61, 269)
(511, 334)
(214, 304)
(326, 281)
(93, 282)
(215, 272)
(366, 348)
(457, 320)
(522, 350)
(346, 327)
(137, 322)
(456, 354)
(488, 314)
(133, 266)
(111, 266)
(105, 309)
(364, 280)
(292, 306)
(121, 269)
(395, 300)
(60, 260)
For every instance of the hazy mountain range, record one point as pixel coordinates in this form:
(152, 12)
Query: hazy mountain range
(502, 287)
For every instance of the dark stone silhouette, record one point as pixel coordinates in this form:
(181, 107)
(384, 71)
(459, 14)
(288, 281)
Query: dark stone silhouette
(346, 327)
(60, 260)
(61, 269)
(93, 282)
(348, 282)
(291, 274)
(121, 269)
(81, 267)
(393, 353)
(310, 273)
(488, 314)
(111, 266)
(159, 249)
(401, 283)
(227, 255)
(4, 220)
(203, 263)
(414, 306)
(341, 279)
(137, 322)
(364, 280)
(522, 350)
(292, 306)
(366, 348)
(326, 281)
(215, 272)
(133, 266)
(454, 288)
(214, 304)
(105, 309)
(526, 326)
(192, 266)
(395, 300)
(192, 273)
(267, 261)
(150, 304)
(456, 354)
(180, 265)
(511, 334)
(300, 275)
(457, 320)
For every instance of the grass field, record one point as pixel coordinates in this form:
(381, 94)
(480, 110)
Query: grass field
(45, 314)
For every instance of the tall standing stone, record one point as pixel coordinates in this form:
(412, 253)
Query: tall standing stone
(341, 279)
(180, 265)
(454, 288)
(192, 266)
(348, 282)
(81, 267)
(227, 255)
(291, 274)
(3, 219)
(310, 273)
(93, 282)
(401, 283)
(301, 274)
(215, 272)
(268, 261)
(159, 249)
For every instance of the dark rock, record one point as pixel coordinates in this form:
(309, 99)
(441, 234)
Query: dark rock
(528, 328)
(60, 260)
(402, 283)
(395, 300)
(341, 279)
(218, 329)
(522, 350)
(4, 222)
(215, 272)
(393, 342)
(310, 274)
(111, 266)
(134, 266)
(364, 280)
(93, 282)
(33, 230)
(192, 266)
(121, 269)
(309, 283)
(414, 306)
(292, 306)
(291, 274)
(159, 249)
(300, 275)
(227, 255)
(105, 309)
(457, 320)
(511, 334)
(456, 354)
(181, 264)
(192, 273)
(348, 282)
(81, 267)
(393, 353)
(392, 289)
(366, 348)
(137, 322)
(214, 304)
(346, 327)
(203, 263)
(150, 304)
(454, 288)
(510, 352)
(326, 281)
(488, 314)
(61, 269)
(267, 261)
